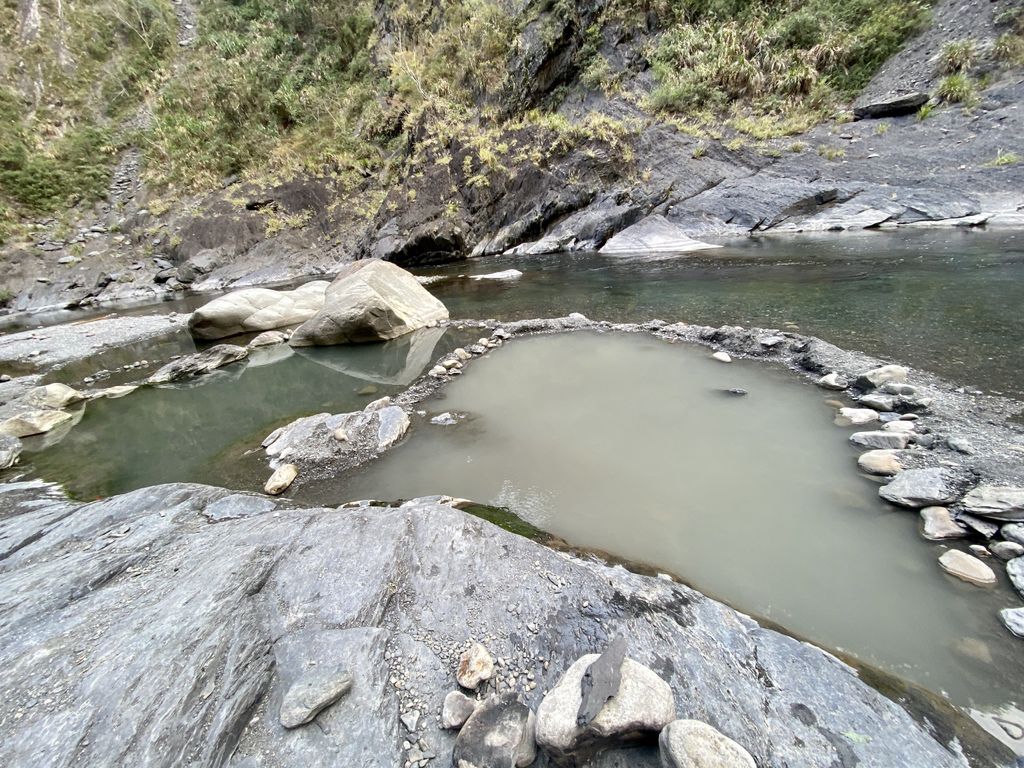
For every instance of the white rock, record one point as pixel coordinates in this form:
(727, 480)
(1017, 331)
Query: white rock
(876, 377)
(858, 416)
(938, 524)
(53, 396)
(833, 381)
(967, 567)
(257, 309)
(879, 462)
(283, 477)
(33, 423)
(475, 666)
(456, 709)
(722, 357)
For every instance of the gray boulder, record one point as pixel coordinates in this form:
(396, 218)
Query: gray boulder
(998, 502)
(317, 689)
(917, 488)
(1006, 550)
(257, 309)
(370, 300)
(456, 709)
(642, 706)
(499, 734)
(52, 396)
(36, 422)
(880, 439)
(938, 524)
(693, 744)
(198, 364)
(1013, 532)
(653, 234)
(884, 374)
(1013, 619)
(1015, 570)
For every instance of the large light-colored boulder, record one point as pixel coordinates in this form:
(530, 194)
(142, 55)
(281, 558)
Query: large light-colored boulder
(643, 705)
(257, 309)
(53, 396)
(998, 502)
(33, 423)
(693, 744)
(370, 300)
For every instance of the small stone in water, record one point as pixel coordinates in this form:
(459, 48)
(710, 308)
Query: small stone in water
(722, 357)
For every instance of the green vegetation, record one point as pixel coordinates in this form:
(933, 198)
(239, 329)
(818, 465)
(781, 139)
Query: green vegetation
(957, 56)
(956, 89)
(1003, 159)
(925, 111)
(831, 153)
(791, 61)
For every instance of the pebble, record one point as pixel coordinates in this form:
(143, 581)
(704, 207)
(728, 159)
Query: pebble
(722, 357)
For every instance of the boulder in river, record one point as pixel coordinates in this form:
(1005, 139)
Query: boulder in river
(998, 502)
(196, 365)
(880, 439)
(1015, 570)
(967, 567)
(257, 309)
(282, 478)
(1006, 550)
(370, 300)
(640, 708)
(833, 381)
(1013, 619)
(917, 488)
(693, 744)
(857, 416)
(33, 422)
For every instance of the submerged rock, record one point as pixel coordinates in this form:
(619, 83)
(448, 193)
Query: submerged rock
(999, 502)
(257, 309)
(858, 416)
(370, 300)
(967, 567)
(499, 734)
(198, 364)
(693, 744)
(833, 381)
(309, 695)
(919, 488)
(642, 706)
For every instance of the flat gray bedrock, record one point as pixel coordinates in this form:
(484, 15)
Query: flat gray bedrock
(138, 632)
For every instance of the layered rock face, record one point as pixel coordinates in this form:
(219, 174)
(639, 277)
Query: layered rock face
(139, 631)
(370, 301)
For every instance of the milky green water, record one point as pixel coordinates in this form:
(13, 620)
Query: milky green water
(627, 444)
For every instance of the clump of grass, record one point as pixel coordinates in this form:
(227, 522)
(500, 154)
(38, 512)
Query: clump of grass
(956, 89)
(735, 145)
(925, 112)
(831, 153)
(1009, 49)
(797, 146)
(699, 151)
(882, 128)
(957, 56)
(1003, 159)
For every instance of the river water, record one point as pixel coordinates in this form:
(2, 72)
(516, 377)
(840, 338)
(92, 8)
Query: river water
(628, 445)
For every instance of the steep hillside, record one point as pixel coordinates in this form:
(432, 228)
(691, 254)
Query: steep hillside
(147, 145)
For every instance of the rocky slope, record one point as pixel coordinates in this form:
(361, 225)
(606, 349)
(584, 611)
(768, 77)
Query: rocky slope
(586, 163)
(184, 614)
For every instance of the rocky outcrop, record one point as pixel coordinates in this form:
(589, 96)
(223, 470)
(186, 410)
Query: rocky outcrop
(370, 301)
(257, 309)
(889, 105)
(172, 639)
(654, 234)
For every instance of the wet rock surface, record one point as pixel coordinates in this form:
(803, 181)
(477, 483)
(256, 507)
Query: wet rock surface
(198, 364)
(257, 309)
(215, 622)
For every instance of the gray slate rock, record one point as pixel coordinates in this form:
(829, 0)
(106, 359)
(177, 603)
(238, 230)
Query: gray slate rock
(456, 709)
(653, 234)
(1006, 550)
(10, 450)
(601, 681)
(880, 439)
(938, 524)
(198, 364)
(499, 734)
(312, 693)
(890, 105)
(998, 502)
(187, 635)
(1013, 532)
(1015, 570)
(917, 488)
(693, 744)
